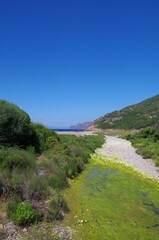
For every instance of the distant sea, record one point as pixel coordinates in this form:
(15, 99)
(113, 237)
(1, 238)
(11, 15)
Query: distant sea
(68, 130)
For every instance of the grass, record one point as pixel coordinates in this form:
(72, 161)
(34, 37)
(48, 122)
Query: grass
(112, 201)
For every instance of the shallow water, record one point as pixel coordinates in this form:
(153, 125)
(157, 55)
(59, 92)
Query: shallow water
(111, 201)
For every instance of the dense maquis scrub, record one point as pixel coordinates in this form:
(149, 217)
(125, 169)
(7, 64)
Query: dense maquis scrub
(147, 143)
(33, 173)
(40, 182)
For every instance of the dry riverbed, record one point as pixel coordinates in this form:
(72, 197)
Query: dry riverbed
(79, 134)
(111, 199)
(122, 150)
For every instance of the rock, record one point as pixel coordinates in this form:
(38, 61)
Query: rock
(25, 230)
(41, 172)
(60, 215)
(12, 231)
(1, 227)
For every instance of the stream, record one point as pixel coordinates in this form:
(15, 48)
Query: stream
(112, 201)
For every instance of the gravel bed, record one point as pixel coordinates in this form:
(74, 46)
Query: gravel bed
(122, 149)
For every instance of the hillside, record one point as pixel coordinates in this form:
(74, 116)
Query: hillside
(81, 126)
(143, 114)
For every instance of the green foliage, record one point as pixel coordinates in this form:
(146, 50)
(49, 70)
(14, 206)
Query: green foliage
(147, 143)
(53, 211)
(12, 158)
(25, 214)
(16, 129)
(15, 183)
(58, 181)
(44, 137)
(37, 180)
(1, 186)
(73, 152)
(15, 167)
(13, 205)
(141, 115)
(64, 206)
(15, 126)
(38, 188)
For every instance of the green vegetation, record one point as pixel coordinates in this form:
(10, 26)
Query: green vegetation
(112, 201)
(23, 214)
(35, 164)
(141, 115)
(15, 125)
(147, 143)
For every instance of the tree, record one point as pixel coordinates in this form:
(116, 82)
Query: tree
(15, 125)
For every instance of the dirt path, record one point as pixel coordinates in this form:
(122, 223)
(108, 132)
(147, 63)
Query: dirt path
(123, 150)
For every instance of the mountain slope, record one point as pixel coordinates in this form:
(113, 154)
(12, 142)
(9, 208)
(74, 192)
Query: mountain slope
(81, 126)
(143, 114)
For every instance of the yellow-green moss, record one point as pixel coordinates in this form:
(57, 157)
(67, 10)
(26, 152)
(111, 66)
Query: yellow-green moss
(112, 201)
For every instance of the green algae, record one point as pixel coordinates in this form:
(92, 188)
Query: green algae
(112, 201)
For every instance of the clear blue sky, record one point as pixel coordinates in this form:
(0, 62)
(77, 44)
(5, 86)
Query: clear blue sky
(69, 61)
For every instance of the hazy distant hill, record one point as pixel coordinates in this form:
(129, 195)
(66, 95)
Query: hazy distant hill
(81, 126)
(143, 114)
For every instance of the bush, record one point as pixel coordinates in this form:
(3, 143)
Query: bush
(146, 142)
(58, 181)
(15, 125)
(64, 206)
(15, 184)
(147, 132)
(12, 206)
(1, 186)
(25, 214)
(146, 153)
(54, 210)
(12, 158)
(156, 136)
(38, 188)
(46, 138)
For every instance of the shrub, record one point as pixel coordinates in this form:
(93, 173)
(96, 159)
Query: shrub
(51, 141)
(25, 214)
(15, 183)
(15, 126)
(146, 153)
(54, 210)
(38, 188)
(146, 142)
(64, 206)
(58, 181)
(1, 186)
(13, 205)
(12, 158)
(46, 138)
(156, 136)
(147, 132)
